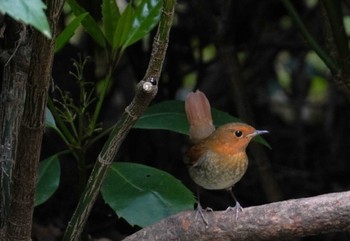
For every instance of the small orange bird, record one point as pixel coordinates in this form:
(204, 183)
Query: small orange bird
(217, 160)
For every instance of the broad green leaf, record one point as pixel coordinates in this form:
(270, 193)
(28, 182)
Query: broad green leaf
(48, 180)
(170, 115)
(90, 25)
(146, 16)
(68, 32)
(143, 195)
(28, 11)
(110, 16)
(167, 115)
(123, 28)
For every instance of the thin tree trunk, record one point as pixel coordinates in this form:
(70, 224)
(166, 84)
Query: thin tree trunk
(19, 223)
(15, 59)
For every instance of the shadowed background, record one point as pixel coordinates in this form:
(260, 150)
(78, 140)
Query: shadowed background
(250, 61)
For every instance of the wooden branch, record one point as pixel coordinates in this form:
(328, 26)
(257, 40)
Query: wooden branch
(276, 221)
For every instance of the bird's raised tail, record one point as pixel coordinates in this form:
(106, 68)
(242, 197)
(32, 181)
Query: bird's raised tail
(199, 116)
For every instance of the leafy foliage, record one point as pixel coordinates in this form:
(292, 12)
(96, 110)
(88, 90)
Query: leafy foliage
(90, 25)
(120, 30)
(145, 17)
(144, 195)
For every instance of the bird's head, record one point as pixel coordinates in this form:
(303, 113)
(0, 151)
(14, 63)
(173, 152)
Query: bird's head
(233, 137)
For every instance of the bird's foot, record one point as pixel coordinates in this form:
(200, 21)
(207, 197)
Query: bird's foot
(237, 208)
(200, 211)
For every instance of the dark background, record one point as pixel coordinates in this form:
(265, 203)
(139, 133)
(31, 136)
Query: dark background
(260, 70)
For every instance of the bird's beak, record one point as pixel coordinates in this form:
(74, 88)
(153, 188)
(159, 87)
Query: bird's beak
(257, 132)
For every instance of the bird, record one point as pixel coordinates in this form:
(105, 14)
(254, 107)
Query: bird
(217, 160)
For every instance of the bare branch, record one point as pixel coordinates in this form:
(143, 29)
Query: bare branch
(276, 221)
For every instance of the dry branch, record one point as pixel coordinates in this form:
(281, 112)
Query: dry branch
(276, 221)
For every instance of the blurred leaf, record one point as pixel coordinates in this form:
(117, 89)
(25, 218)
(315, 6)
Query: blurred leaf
(48, 180)
(123, 27)
(146, 16)
(28, 11)
(110, 16)
(135, 24)
(318, 90)
(68, 32)
(49, 120)
(170, 115)
(51, 123)
(89, 23)
(143, 195)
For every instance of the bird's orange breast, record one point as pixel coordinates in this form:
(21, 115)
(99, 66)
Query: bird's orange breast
(214, 170)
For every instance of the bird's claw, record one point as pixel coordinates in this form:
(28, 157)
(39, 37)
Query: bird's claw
(237, 208)
(200, 211)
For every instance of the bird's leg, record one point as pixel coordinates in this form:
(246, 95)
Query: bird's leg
(200, 210)
(237, 208)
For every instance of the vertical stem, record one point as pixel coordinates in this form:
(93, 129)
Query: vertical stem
(331, 63)
(341, 44)
(335, 16)
(106, 83)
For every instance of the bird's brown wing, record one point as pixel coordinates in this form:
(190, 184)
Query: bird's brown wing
(194, 154)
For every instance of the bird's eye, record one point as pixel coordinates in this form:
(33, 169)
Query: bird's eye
(238, 133)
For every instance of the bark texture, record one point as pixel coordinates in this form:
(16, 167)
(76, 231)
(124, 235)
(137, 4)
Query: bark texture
(31, 131)
(15, 59)
(276, 221)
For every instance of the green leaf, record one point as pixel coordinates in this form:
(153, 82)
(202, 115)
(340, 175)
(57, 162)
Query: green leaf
(51, 123)
(170, 115)
(110, 16)
(68, 32)
(49, 179)
(167, 115)
(123, 28)
(146, 16)
(90, 25)
(143, 195)
(28, 11)
(135, 24)
(49, 120)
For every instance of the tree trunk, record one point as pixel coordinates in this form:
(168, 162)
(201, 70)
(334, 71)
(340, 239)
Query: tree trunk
(24, 178)
(14, 59)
